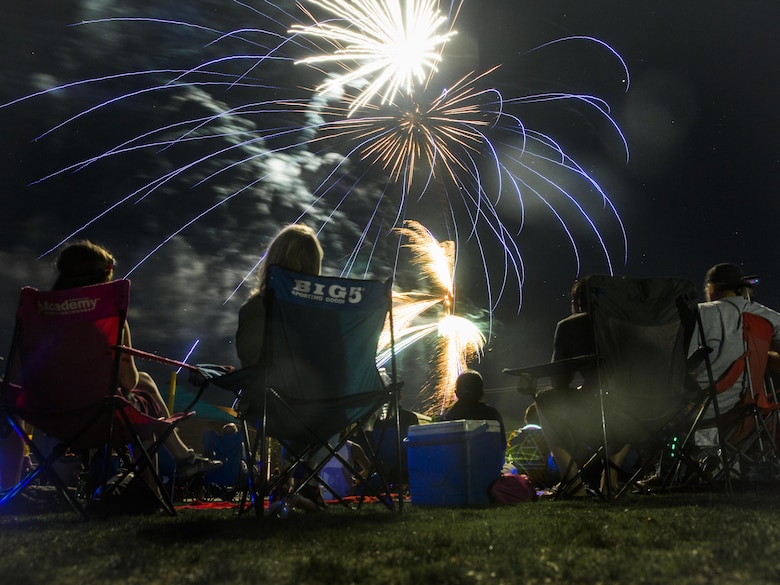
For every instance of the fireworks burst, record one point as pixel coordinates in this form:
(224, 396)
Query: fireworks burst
(447, 132)
(396, 44)
(459, 341)
(378, 133)
(435, 259)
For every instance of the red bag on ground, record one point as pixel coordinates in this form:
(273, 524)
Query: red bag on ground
(511, 488)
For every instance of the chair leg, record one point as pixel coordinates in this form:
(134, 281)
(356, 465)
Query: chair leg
(44, 468)
(249, 491)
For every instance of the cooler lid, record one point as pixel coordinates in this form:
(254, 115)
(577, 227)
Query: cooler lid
(453, 426)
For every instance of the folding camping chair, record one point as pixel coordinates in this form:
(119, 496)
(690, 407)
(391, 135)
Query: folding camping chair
(527, 450)
(318, 379)
(642, 329)
(385, 443)
(750, 428)
(62, 378)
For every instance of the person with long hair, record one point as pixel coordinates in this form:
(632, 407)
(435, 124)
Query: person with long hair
(84, 263)
(295, 248)
(571, 415)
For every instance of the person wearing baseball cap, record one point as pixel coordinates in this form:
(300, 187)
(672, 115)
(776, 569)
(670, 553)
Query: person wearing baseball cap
(725, 280)
(728, 293)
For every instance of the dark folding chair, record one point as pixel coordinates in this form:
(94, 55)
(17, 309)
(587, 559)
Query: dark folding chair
(62, 378)
(642, 329)
(319, 382)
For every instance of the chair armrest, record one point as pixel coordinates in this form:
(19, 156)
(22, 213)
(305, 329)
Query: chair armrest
(555, 368)
(153, 357)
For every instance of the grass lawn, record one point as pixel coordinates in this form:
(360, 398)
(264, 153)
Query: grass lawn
(691, 538)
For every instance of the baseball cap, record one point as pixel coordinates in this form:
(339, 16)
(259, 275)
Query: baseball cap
(728, 276)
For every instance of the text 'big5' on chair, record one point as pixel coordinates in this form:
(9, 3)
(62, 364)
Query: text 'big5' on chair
(318, 377)
(62, 378)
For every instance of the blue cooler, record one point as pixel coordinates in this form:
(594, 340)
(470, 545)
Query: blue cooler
(452, 463)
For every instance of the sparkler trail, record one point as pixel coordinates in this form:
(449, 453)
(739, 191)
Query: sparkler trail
(379, 133)
(459, 340)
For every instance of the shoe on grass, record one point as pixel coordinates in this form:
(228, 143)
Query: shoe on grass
(574, 492)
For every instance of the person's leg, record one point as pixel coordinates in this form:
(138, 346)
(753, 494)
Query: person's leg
(188, 462)
(615, 463)
(569, 470)
(174, 444)
(556, 420)
(11, 459)
(309, 497)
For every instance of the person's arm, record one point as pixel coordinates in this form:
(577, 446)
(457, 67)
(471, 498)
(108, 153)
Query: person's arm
(774, 347)
(774, 361)
(250, 332)
(128, 373)
(560, 352)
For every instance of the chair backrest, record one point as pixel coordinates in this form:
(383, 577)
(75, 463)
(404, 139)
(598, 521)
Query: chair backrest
(63, 343)
(757, 335)
(321, 342)
(229, 450)
(642, 328)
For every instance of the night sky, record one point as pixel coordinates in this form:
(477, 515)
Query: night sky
(700, 185)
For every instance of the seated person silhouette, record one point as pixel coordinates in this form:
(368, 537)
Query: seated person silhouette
(384, 440)
(227, 446)
(470, 391)
(295, 247)
(728, 296)
(339, 478)
(571, 416)
(83, 263)
(529, 452)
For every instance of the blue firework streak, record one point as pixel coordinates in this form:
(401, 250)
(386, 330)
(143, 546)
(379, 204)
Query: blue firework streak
(272, 112)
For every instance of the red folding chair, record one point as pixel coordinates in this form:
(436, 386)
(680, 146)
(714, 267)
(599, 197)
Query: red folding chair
(62, 378)
(750, 427)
